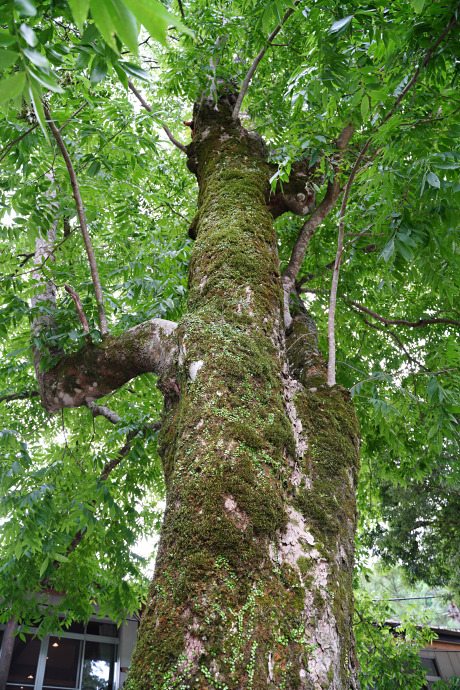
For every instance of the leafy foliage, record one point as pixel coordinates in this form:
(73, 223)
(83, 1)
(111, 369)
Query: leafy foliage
(420, 528)
(388, 655)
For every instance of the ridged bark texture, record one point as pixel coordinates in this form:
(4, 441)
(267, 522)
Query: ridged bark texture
(252, 587)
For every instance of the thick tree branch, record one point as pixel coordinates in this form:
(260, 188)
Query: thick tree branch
(83, 226)
(97, 370)
(317, 217)
(103, 411)
(255, 64)
(145, 105)
(7, 651)
(402, 322)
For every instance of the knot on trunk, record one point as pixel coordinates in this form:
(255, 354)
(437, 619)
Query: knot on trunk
(297, 195)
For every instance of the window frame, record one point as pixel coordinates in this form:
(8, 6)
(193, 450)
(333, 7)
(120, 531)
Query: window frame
(82, 637)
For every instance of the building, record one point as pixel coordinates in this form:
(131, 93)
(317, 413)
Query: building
(92, 656)
(442, 658)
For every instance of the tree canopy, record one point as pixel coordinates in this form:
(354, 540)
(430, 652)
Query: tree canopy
(78, 488)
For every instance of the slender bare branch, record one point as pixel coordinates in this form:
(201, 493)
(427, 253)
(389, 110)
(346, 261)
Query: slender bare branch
(145, 105)
(9, 146)
(49, 255)
(181, 9)
(166, 203)
(19, 396)
(335, 276)
(403, 322)
(84, 228)
(72, 116)
(423, 64)
(74, 295)
(397, 340)
(258, 58)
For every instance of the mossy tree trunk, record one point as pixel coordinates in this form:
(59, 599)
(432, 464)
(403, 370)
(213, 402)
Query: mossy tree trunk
(253, 580)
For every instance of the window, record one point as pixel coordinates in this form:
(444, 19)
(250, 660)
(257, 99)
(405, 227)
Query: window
(23, 668)
(83, 658)
(430, 666)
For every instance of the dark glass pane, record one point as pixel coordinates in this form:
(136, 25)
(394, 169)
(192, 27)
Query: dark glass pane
(98, 666)
(430, 665)
(24, 661)
(76, 628)
(62, 663)
(100, 628)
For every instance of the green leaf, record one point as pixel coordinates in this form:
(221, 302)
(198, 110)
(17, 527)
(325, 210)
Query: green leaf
(46, 80)
(418, 5)
(365, 107)
(90, 34)
(35, 99)
(12, 87)
(134, 71)
(94, 168)
(125, 23)
(341, 24)
(44, 566)
(433, 180)
(61, 558)
(6, 39)
(388, 251)
(121, 75)
(404, 250)
(28, 35)
(82, 61)
(79, 11)
(25, 8)
(101, 13)
(36, 58)
(154, 17)
(99, 70)
(7, 58)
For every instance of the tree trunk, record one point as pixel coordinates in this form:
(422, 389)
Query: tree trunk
(7, 651)
(253, 580)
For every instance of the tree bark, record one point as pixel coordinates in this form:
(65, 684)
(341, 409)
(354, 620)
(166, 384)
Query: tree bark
(7, 652)
(253, 580)
(97, 370)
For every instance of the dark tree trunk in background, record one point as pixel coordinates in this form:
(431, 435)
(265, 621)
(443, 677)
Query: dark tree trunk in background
(7, 651)
(253, 580)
